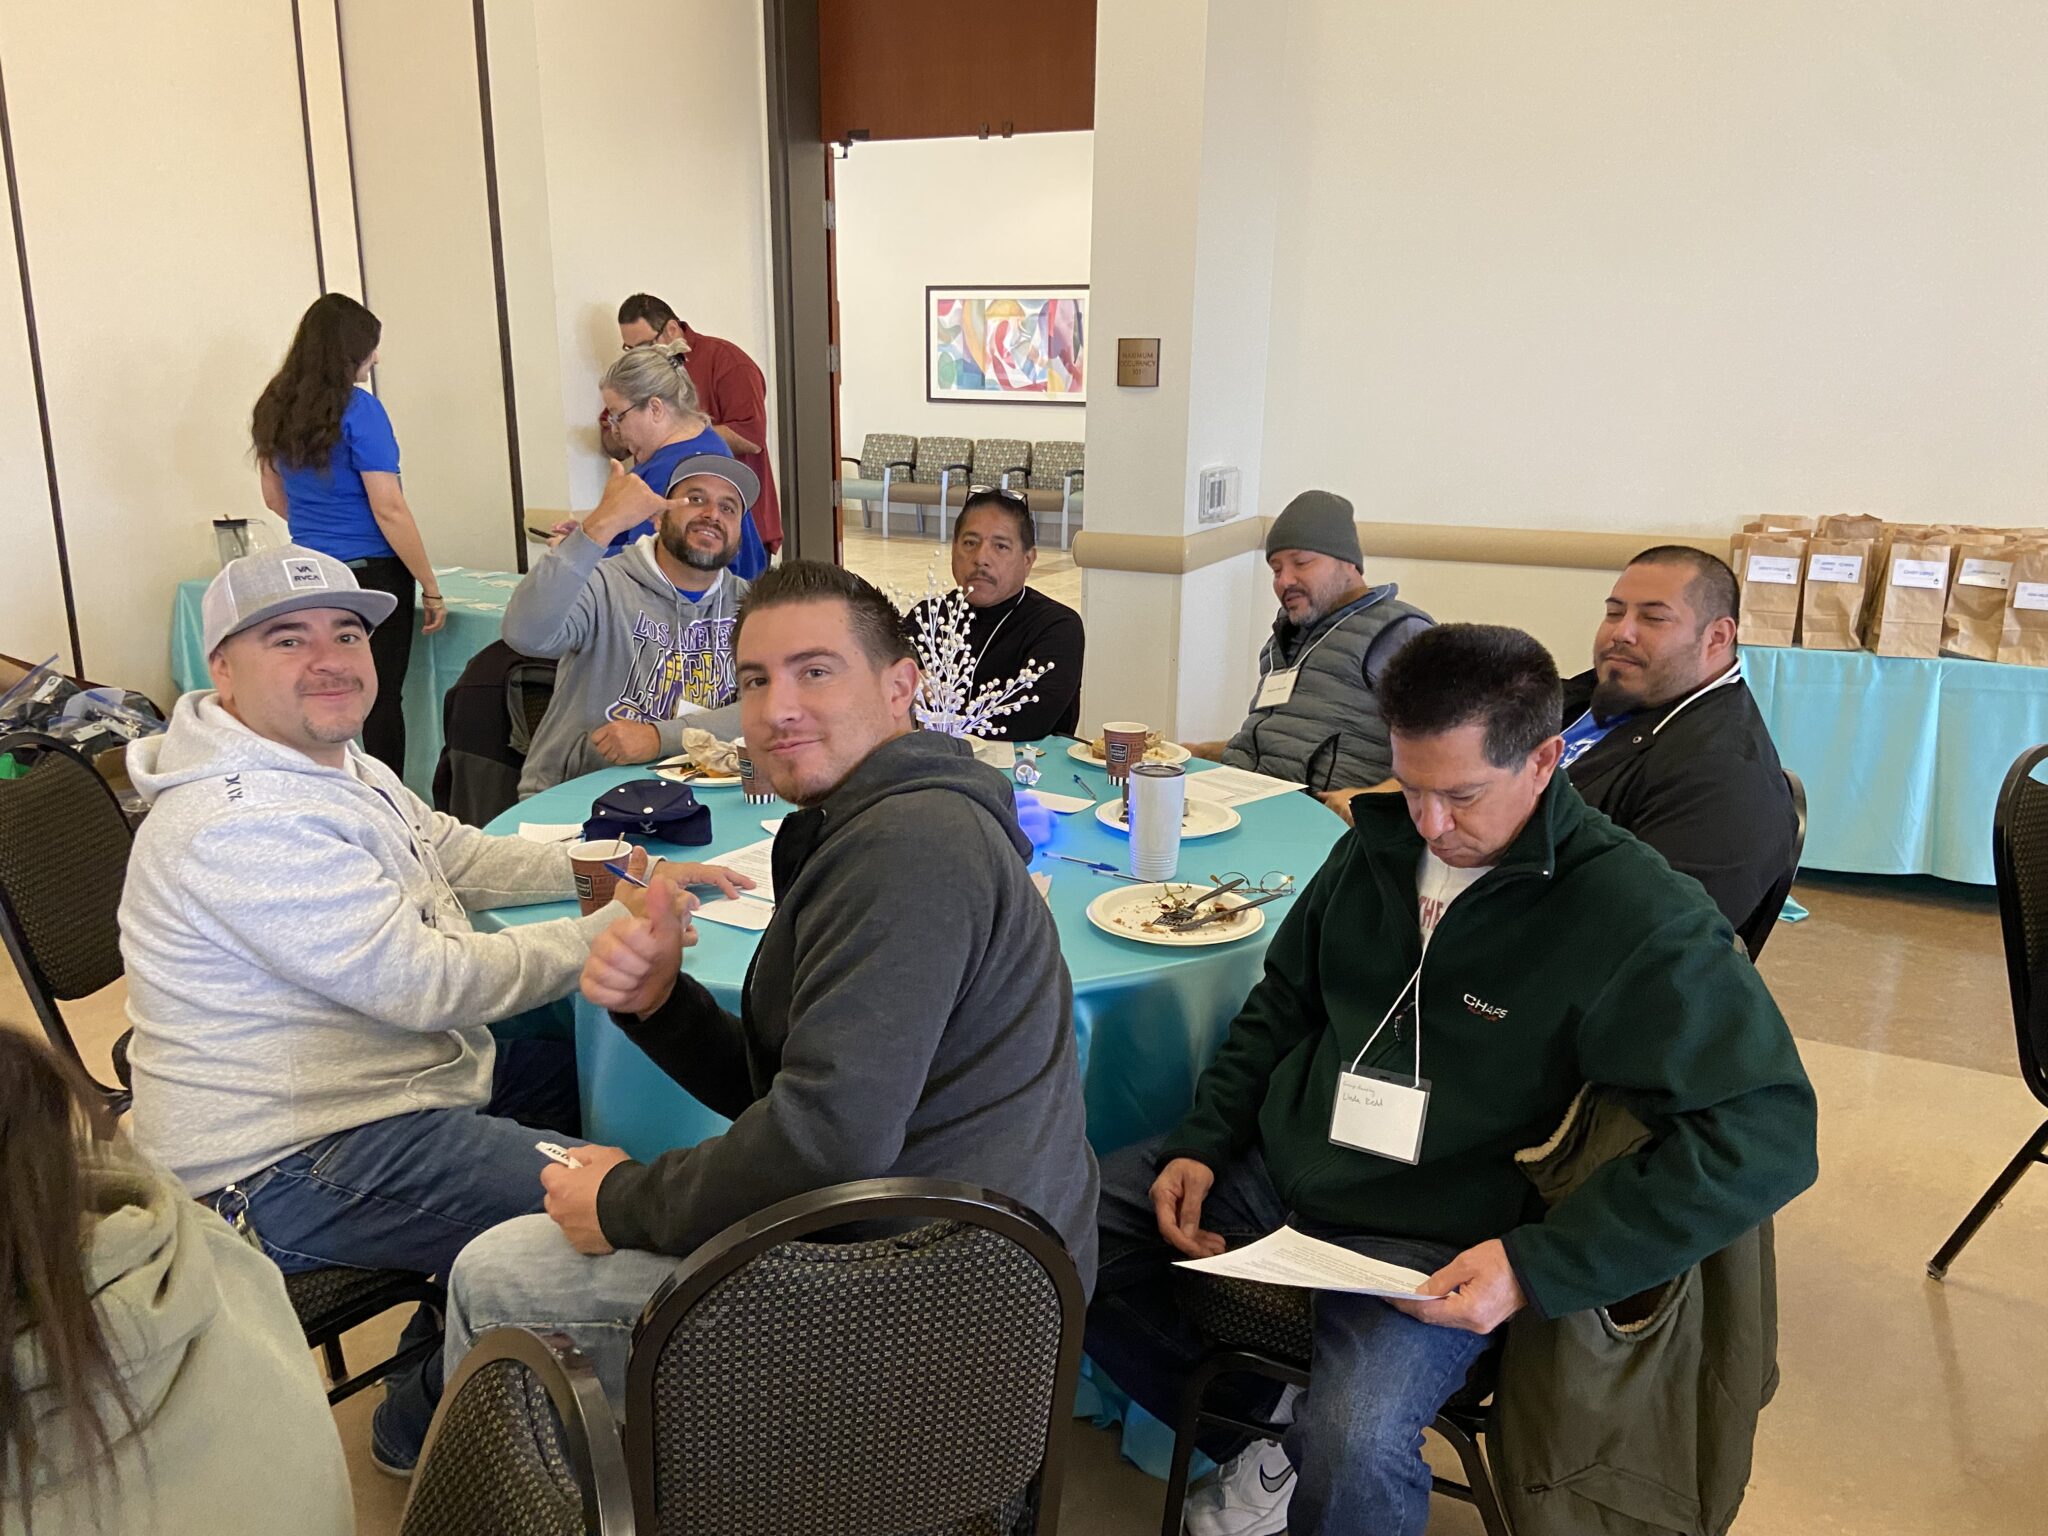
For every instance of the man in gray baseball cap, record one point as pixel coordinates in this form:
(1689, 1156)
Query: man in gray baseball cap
(643, 641)
(311, 1003)
(1315, 718)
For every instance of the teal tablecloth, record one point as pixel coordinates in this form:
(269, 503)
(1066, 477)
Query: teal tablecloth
(1901, 758)
(476, 613)
(1148, 1018)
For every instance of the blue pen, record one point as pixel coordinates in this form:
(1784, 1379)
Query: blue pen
(621, 871)
(1101, 868)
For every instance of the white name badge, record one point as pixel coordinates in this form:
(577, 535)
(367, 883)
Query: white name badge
(1275, 689)
(1931, 574)
(1380, 1113)
(1774, 570)
(2030, 594)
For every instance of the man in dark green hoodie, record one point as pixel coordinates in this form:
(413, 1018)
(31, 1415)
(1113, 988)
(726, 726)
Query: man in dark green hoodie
(1489, 940)
(907, 1013)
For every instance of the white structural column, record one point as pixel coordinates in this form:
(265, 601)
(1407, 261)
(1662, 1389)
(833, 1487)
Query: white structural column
(1190, 123)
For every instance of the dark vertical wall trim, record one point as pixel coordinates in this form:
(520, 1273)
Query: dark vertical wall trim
(348, 134)
(306, 128)
(483, 91)
(35, 364)
(802, 287)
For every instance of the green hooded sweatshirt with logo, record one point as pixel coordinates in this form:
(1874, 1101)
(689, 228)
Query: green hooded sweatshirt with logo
(1581, 957)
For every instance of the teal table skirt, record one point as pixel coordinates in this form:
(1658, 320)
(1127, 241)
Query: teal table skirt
(476, 614)
(1901, 758)
(1147, 1019)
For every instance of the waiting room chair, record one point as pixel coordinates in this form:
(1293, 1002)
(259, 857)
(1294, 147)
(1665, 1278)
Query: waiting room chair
(920, 1381)
(886, 459)
(1004, 462)
(1057, 466)
(63, 856)
(1763, 922)
(2019, 863)
(523, 1444)
(1269, 1331)
(939, 479)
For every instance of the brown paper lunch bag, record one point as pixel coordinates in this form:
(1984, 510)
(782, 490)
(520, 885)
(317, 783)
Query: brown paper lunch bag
(1837, 579)
(1912, 581)
(2024, 637)
(1974, 624)
(1768, 571)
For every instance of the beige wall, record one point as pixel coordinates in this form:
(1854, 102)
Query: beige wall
(32, 623)
(163, 192)
(1018, 213)
(1661, 266)
(655, 150)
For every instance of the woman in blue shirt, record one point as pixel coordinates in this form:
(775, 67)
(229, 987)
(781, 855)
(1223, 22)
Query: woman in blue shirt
(329, 466)
(651, 405)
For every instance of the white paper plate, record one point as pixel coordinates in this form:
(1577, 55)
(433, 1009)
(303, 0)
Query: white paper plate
(1203, 818)
(1169, 752)
(698, 780)
(1125, 910)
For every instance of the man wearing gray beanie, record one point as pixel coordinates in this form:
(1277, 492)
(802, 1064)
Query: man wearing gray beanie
(1315, 718)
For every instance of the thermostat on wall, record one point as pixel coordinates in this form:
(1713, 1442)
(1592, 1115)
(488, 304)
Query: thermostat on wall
(1216, 495)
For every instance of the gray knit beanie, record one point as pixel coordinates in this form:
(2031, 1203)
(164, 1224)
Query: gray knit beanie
(1320, 522)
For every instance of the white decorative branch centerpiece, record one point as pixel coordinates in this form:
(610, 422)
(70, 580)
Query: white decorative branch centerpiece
(941, 628)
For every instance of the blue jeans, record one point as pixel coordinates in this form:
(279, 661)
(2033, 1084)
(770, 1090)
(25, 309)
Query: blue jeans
(1378, 1375)
(409, 1193)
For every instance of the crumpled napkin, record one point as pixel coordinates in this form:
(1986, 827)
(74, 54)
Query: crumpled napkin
(710, 754)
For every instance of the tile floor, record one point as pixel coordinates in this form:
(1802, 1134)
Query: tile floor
(1906, 1406)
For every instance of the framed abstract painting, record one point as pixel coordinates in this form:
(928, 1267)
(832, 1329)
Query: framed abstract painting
(997, 345)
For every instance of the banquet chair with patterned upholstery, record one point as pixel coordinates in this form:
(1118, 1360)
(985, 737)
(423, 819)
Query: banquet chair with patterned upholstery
(523, 1444)
(797, 1377)
(60, 900)
(63, 857)
(2019, 864)
(1269, 1331)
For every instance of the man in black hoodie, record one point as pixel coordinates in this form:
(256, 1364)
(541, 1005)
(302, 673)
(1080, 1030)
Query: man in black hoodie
(907, 1014)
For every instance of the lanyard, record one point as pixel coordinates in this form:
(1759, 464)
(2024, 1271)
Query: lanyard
(1413, 983)
(1302, 660)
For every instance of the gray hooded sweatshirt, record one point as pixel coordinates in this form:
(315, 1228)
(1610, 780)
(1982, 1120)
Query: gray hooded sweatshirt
(907, 1015)
(299, 951)
(232, 1435)
(630, 647)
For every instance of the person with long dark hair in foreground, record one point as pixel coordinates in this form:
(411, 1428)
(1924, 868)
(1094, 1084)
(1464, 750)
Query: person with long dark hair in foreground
(328, 460)
(155, 1377)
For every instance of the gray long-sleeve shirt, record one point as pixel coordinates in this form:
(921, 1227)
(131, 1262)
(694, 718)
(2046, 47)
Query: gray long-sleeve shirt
(630, 647)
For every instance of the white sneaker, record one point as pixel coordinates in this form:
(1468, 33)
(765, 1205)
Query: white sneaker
(1249, 1496)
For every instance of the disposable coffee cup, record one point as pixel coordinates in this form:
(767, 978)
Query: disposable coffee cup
(753, 783)
(1123, 747)
(595, 883)
(1159, 798)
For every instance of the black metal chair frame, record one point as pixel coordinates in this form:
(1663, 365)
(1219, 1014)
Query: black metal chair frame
(1458, 1425)
(591, 1441)
(323, 1330)
(913, 1201)
(35, 981)
(2019, 958)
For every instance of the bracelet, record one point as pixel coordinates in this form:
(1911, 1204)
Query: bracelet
(434, 600)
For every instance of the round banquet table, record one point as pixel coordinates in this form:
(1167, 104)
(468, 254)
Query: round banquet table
(1147, 1018)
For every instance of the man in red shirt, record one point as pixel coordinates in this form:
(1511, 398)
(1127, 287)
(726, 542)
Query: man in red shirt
(730, 390)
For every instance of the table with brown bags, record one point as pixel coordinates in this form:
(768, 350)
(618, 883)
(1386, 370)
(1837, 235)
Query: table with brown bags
(1901, 669)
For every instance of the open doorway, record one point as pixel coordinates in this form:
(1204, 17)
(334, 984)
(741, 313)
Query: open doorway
(961, 269)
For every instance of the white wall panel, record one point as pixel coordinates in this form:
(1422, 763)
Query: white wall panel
(425, 221)
(31, 598)
(163, 186)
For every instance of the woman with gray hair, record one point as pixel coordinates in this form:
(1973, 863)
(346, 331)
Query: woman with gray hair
(651, 406)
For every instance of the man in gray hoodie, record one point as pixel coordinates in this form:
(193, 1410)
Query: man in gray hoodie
(645, 640)
(908, 1013)
(309, 997)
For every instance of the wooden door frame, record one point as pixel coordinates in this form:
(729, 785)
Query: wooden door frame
(807, 458)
